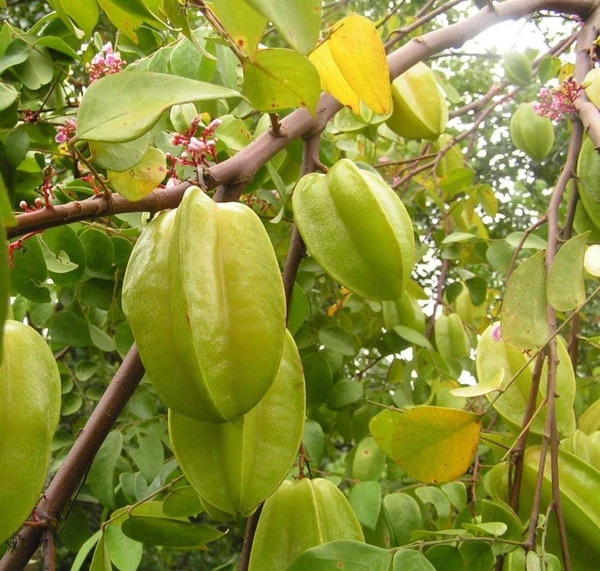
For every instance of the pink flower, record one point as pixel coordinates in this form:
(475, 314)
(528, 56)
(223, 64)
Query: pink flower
(497, 333)
(105, 62)
(66, 131)
(558, 102)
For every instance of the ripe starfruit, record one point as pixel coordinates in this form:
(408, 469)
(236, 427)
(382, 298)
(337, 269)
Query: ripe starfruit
(530, 132)
(420, 110)
(29, 415)
(298, 516)
(205, 300)
(356, 227)
(236, 465)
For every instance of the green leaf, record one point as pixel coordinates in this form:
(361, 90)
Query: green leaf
(281, 79)
(29, 271)
(412, 336)
(440, 502)
(365, 499)
(566, 284)
(407, 559)
(299, 310)
(182, 502)
(168, 532)
(58, 263)
(125, 553)
(548, 68)
(85, 550)
(339, 340)
(84, 13)
(137, 100)
(119, 157)
(346, 555)
(456, 493)
(457, 180)
(243, 24)
(477, 556)
(344, 393)
(70, 329)
(102, 340)
(37, 70)
(186, 61)
(101, 475)
(318, 378)
(16, 53)
(314, 441)
(8, 95)
(459, 237)
(149, 456)
(298, 22)
(140, 180)
(404, 516)
(532, 242)
(6, 214)
(101, 559)
(432, 444)
(524, 318)
(99, 251)
(490, 529)
(446, 557)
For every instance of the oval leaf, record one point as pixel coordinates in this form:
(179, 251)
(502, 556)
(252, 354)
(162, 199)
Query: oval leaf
(279, 79)
(431, 444)
(142, 179)
(137, 100)
(566, 284)
(524, 319)
(168, 532)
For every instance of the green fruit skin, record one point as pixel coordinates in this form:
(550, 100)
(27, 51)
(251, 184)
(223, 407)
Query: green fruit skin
(205, 300)
(588, 171)
(453, 159)
(298, 516)
(420, 110)
(236, 465)
(531, 133)
(29, 414)
(579, 485)
(356, 227)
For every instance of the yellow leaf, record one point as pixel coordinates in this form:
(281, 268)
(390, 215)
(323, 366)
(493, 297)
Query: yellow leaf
(432, 444)
(353, 66)
(332, 79)
(359, 54)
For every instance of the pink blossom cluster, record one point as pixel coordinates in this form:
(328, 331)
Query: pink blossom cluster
(197, 147)
(558, 102)
(105, 62)
(66, 131)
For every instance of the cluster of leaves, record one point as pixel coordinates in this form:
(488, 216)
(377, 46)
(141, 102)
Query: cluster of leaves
(361, 358)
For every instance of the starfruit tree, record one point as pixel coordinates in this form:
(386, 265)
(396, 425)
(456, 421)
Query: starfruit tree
(293, 285)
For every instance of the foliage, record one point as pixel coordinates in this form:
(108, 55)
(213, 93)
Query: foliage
(109, 109)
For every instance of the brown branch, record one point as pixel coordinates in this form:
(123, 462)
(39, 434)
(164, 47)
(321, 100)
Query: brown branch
(242, 167)
(49, 550)
(550, 436)
(517, 452)
(588, 112)
(439, 294)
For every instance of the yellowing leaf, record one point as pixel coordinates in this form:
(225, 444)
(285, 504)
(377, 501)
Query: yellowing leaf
(524, 319)
(432, 444)
(281, 78)
(359, 54)
(332, 79)
(143, 178)
(243, 24)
